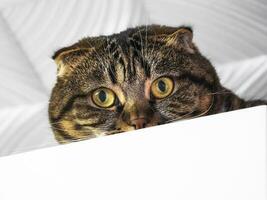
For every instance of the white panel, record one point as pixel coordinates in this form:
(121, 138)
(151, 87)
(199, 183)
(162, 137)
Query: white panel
(216, 157)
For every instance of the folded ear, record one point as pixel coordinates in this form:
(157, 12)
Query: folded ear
(178, 37)
(182, 39)
(68, 58)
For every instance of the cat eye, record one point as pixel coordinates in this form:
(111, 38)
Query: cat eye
(162, 87)
(103, 97)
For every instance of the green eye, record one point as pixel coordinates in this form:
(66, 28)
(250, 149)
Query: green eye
(103, 97)
(162, 87)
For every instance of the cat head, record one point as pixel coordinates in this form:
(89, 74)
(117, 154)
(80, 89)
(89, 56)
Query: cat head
(138, 78)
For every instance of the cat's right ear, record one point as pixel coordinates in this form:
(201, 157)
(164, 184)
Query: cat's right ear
(68, 58)
(180, 38)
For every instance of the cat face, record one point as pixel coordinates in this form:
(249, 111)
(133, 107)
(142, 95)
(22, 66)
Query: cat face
(138, 78)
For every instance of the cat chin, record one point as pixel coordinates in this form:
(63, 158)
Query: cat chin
(124, 127)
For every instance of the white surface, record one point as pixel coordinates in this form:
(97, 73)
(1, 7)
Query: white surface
(31, 30)
(216, 157)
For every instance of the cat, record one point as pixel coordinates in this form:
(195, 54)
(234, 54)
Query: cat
(140, 77)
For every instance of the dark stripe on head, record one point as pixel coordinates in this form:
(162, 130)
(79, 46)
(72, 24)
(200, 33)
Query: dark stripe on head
(146, 68)
(199, 81)
(112, 74)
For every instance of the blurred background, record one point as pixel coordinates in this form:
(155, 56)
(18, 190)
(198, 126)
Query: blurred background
(231, 33)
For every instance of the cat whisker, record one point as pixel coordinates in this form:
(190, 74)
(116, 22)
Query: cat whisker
(141, 40)
(153, 47)
(55, 123)
(206, 111)
(183, 117)
(97, 54)
(222, 92)
(180, 117)
(146, 36)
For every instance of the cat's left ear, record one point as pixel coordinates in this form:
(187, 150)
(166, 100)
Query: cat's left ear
(182, 39)
(68, 58)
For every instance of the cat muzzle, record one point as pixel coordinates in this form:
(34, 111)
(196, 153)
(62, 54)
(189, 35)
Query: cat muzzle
(139, 123)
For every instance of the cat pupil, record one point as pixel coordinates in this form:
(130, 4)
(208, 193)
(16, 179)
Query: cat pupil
(162, 86)
(102, 96)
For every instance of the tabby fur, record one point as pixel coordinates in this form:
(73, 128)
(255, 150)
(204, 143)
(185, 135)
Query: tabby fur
(127, 63)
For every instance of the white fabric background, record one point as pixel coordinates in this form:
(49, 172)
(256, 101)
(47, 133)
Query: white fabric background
(232, 34)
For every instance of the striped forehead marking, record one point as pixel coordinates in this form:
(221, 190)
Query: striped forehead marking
(125, 60)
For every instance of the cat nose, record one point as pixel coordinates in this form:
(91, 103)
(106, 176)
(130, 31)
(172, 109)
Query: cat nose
(138, 123)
